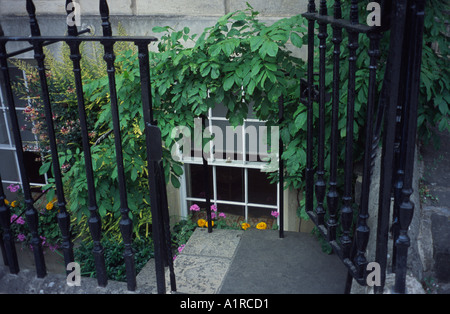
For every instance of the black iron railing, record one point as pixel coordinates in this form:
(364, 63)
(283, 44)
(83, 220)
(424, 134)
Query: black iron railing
(160, 217)
(397, 118)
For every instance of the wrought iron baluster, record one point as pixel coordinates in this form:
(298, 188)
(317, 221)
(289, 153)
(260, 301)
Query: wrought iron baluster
(362, 230)
(406, 208)
(95, 224)
(320, 183)
(154, 155)
(166, 222)
(332, 196)
(347, 211)
(393, 69)
(9, 254)
(30, 213)
(125, 224)
(309, 188)
(63, 216)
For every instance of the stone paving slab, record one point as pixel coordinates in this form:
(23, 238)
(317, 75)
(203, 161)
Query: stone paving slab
(201, 267)
(26, 282)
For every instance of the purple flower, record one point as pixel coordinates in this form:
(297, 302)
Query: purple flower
(222, 215)
(214, 208)
(20, 221)
(21, 237)
(274, 213)
(13, 188)
(195, 208)
(13, 217)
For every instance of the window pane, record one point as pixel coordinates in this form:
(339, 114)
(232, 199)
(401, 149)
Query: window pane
(8, 167)
(28, 138)
(195, 181)
(3, 131)
(260, 190)
(32, 165)
(230, 144)
(230, 184)
(232, 211)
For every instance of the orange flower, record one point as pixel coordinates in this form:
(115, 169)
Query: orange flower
(261, 226)
(212, 223)
(14, 204)
(201, 222)
(49, 206)
(245, 226)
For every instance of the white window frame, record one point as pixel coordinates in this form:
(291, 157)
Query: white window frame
(10, 146)
(244, 164)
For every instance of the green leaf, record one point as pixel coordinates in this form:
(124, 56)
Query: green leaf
(177, 169)
(255, 43)
(296, 40)
(300, 120)
(134, 174)
(159, 29)
(228, 83)
(272, 48)
(215, 50)
(175, 182)
(44, 168)
(251, 87)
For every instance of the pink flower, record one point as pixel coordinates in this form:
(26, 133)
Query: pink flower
(274, 213)
(20, 221)
(21, 237)
(222, 215)
(13, 217)
(213, 215)
(214, 208)
(195, 208)
(181, 248)
(13, 188)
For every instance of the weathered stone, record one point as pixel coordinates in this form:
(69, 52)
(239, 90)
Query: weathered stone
(440, 229)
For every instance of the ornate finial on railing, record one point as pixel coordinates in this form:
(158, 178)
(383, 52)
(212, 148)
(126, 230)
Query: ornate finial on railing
(311, 6)
(71, 27)
(104, 12)
(354, 19)
(337, 9)
(323, 7)
(31, 9)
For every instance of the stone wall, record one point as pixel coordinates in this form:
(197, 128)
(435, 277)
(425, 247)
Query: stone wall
(173, 8)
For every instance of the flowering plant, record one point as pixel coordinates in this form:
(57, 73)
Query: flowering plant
(203, 223)
(48, 225)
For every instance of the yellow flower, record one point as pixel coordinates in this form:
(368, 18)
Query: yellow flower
(245, 226)
(201, 222)
(14, 204)
(49, 206)
(261, 226)
(6, 202)
(212, 223)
